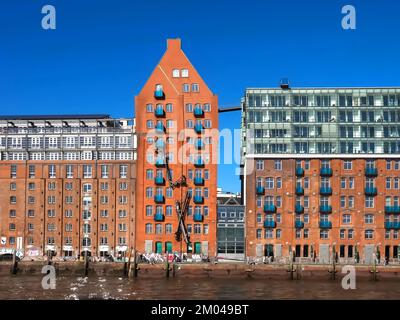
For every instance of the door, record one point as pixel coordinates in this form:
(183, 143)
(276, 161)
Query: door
(387, 252)
(269, 250)
(159, 247)
(395, 251)
(350, 251)
(342, 250)
(298, 251)
(168, 247)
(197, 247)
(305, 251)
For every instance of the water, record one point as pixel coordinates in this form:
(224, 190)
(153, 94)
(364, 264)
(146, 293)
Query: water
(114, 287)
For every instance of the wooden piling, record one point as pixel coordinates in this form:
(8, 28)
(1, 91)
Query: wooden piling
(14, 267)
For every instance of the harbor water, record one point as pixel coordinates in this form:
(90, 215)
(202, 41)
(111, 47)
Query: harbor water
(27, 286)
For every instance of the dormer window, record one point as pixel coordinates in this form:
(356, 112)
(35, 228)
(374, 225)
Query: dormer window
(175, 73)
(185, 73)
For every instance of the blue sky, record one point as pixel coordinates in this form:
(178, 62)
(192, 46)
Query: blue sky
(103, 51)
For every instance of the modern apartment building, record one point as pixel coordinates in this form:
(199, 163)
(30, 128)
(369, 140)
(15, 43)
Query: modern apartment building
(177, 164)
(67, 185)
(321, 172)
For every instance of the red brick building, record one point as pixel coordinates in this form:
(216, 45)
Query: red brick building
(175, 114)
(67, 185)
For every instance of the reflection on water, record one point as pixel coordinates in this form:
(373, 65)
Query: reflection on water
(97, 287)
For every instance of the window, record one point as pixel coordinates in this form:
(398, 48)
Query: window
(342, 201)
(278, 164)
(13, 199)
(13, 172)
(149, 107)
(324, 234)
(350, 233)
(342, 233)
(184, 73)
(13, 213)
(69, 172)
(168, 228)
(189, 107)
(169, 107)
(351, 183)
(347, 165)
(343, 183)
(87, 171)
(123, 171)
(186, 87)
(31, 213)
(31, 171)
(369, 234)
(258, 233)
(369, 202)
(195, 87)
(369, 218)
(87, 187)
(279, 183)
(31, 186)
(68, 213)
(104, 171)
(159, 229)
(207, 107)
(351, 202)
(13, 186)
(269, 183)
(346, 218)
(259, 165)
(175, 73)
(52, 171)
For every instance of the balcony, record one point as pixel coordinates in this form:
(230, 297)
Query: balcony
(199, 162)
(159, 181)
(392, 209)
(198, 217)
(198, 128)
(198, 181)
(392, 225)
(299, 190)
(371, 191)
(269, 208)
(299, 224)
(160, 162)
(199, 144)
(325, 209)
(325, 224)
(269, 224)
(198, 199)
(325, 191)
(299, 208)
(160, 127)
(260, 190)
(371, 172)
(160, 144)
(299, 172)
(198, 112)
(159, 217)
(159, 94)
(326, 172)
(159, 198)
(159, 112)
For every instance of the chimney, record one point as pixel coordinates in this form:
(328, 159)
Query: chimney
(174, 44)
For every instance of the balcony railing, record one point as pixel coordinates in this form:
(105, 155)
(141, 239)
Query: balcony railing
(198, 128)
(159, 181)
(269, 224)
(299, 208)
(299, 172)
(260, 190)
(160, 127)
(326, 172)
(198, 199)
(159, 217)
(199, 144)
(160, 162)
(325, 224)
(299, 224)
(159, 112)
(269, 208)
(299, 191)
(158, 198)
(392, 225)
(198, 217)
(371, 172)
(325, 208)
(392, 209)
(371, 191)
(198, 181)
(159, 94)
(325, 191)
(198, 112)
(199, 162)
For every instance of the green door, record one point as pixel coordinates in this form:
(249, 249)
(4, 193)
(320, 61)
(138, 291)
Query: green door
(197, 247)
(168, 247)
(158, 247)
